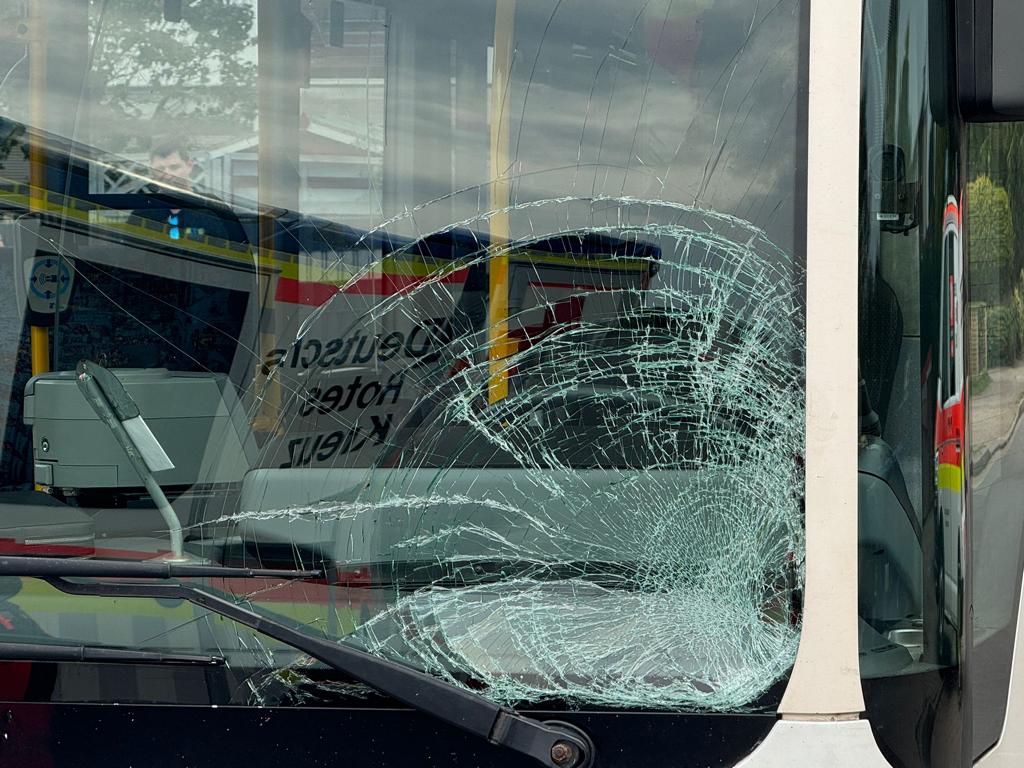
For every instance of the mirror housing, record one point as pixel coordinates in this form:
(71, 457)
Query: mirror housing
(990, 59)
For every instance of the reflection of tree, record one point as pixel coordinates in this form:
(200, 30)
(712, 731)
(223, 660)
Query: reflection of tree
(193, 76)
(991, 239)
(997, 150)
(995, 228)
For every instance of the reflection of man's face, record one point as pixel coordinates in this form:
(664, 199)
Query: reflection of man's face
(172, 169)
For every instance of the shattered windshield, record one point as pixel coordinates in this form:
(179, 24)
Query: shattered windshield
(493, 312)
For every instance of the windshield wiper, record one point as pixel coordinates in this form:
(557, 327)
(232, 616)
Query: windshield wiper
(553, 744)
(61, 567)
(100, 654)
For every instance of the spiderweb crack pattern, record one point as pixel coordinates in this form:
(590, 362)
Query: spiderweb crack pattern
(645, 505)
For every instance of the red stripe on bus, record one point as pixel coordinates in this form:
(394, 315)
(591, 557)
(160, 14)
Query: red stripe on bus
(292, 291)
(13, 547)
(388, 285)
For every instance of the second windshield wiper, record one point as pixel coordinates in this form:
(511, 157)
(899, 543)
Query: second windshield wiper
(101, 654)
(60, 567)
(552, 744)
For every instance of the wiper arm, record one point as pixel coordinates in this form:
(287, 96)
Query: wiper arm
(552, 744)
(101, 654)
(61, 567)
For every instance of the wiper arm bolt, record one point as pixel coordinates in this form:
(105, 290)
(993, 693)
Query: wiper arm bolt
(564, 754)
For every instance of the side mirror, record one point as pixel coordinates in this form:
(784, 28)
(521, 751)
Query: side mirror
(990, 59)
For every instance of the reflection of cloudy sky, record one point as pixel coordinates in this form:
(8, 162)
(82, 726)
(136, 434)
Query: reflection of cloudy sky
(710, 120)
(689, 100)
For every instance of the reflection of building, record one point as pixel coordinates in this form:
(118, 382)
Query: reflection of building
(340, 126)
(339, 174)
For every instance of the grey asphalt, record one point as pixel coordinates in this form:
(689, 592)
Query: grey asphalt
(996, 536)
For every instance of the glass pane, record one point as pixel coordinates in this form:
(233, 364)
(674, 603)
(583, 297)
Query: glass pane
(912, 367)
(498, 323)
(996, 366)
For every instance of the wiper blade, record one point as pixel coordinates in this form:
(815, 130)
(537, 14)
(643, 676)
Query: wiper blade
(101, 654)
(552, 744)
(60, 567)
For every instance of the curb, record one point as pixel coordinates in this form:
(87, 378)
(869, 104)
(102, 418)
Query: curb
(981, 463)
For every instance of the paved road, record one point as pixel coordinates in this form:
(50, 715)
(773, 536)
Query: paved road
(998, 528)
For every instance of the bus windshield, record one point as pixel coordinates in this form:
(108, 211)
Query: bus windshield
(490, 311)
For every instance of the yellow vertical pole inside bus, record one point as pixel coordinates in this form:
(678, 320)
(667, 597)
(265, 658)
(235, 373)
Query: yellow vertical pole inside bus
(39, 336)
(499, 347)
(277, 175)
(269, 406)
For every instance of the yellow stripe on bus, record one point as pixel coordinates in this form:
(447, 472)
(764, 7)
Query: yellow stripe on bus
(951, 477)
(37, 596)
(284, 264)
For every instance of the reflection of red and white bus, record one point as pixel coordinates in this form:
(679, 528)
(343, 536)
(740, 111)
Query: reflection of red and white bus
(949, 432)
(949, 417)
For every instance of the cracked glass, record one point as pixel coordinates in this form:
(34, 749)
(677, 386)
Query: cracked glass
(490, 311)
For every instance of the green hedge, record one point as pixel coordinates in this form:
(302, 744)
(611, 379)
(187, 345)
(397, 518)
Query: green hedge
(1003, 336)
(990, 240)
